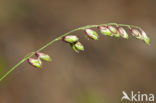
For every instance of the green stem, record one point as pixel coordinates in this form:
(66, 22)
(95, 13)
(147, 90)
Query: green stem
(57, 39)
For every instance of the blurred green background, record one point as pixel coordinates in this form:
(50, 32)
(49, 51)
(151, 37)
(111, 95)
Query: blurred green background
(97, 75)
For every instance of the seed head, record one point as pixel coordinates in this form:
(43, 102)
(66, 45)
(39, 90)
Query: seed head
(92, 34)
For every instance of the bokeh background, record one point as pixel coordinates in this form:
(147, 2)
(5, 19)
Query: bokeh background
(97, 75)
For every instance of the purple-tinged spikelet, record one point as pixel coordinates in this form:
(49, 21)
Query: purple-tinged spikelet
(145, 37)
(114, 31)
(91, 34)
(35, 62)
(77, 47)
(104, 30)
(136, 33)
(43, 56)
(70, 38)
(122, 32)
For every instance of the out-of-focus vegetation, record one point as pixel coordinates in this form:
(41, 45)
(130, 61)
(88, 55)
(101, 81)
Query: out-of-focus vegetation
(2, 66)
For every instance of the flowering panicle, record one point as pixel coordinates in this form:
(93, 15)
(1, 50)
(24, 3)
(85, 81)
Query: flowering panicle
(113, 30)
(110, 29)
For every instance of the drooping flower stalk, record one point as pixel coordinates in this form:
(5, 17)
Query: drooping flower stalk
(110, 29)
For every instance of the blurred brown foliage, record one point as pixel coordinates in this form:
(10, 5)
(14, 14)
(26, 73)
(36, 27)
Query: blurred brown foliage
(97, 75)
